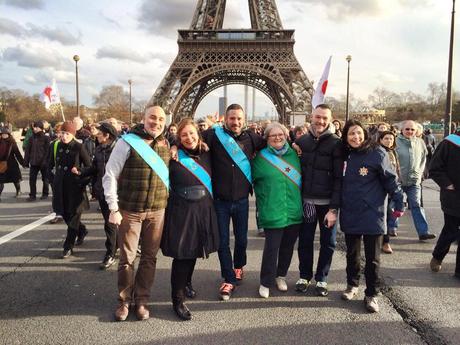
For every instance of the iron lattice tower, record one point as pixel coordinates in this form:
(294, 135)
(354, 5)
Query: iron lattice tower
(210, 57)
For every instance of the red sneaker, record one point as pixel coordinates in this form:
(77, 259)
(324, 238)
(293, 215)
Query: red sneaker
(238, 273)
(226, 290)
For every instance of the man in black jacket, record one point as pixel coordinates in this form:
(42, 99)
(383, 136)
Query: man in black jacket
(322, 167)
(231, 188)
(444, 170)
(36, 155)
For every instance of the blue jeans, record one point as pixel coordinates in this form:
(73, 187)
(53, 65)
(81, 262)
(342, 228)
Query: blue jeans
(414, 194)
(305, 250)
(238, 211)
(392, 223)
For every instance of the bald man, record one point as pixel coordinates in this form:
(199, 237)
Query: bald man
(412, 154)
(136, 191)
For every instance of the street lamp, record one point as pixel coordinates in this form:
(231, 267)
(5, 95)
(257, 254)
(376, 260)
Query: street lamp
(76, 58)
(448, 115)
(130, 104)
(347, 111)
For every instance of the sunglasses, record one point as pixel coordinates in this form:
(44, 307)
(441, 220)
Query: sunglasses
(409, 129)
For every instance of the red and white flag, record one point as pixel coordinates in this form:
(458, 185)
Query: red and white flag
(320, 92)
(50, 95)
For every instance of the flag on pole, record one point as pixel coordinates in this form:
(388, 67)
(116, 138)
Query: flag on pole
(50, 95)
(320, 92)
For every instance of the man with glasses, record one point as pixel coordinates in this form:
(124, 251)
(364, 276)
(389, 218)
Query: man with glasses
(412, 154)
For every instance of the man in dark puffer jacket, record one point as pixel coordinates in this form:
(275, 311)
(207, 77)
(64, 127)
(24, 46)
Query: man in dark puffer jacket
(322, 167)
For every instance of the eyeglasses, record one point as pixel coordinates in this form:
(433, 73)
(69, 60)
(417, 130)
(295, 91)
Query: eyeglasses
(409, 129)
(276, 136)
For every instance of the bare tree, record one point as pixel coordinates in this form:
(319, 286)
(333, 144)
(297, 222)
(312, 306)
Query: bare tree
(113, 101)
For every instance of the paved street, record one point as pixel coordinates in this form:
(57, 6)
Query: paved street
(47, 300)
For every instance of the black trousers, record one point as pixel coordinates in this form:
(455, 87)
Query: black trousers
(277, 255)
(33, 174)
(17, 185)
(372, 245)
(449, 234)
(74, 229)
(110, 230)
(181, 275)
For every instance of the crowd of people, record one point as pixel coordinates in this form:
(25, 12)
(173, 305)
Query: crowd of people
(178, 187)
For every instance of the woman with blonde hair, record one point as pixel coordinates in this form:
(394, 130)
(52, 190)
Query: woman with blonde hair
(276, 176)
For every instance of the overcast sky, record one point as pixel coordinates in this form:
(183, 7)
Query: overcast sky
(401, 45)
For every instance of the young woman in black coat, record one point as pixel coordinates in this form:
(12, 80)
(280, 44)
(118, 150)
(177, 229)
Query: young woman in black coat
(10, 154)
(190, 230)
(69, 195)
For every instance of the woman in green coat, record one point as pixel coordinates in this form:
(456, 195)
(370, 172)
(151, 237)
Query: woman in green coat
(277, 184)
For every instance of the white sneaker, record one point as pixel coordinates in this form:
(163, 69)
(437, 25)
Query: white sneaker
(281, 283)
(349, 293)
(264, 292)
(371, 304)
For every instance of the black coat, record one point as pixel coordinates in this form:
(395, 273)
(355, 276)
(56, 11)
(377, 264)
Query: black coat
(12, 173)
(97, 169)
(229, 182)
(69, 195)
(322, 167)
(445, 170)
(190, 229)
(37, 150)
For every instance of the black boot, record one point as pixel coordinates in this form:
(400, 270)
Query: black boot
(181, 310)
(189, 291)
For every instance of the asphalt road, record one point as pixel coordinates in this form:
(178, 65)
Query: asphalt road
(47, 300)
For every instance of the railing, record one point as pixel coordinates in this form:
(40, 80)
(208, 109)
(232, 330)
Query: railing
(236, 35)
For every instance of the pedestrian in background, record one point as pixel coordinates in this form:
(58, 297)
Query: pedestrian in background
(36, 156)
(106, 136)
(412, 159)
(9, 159)
(69, 195)
(387, 140)
(444, 170)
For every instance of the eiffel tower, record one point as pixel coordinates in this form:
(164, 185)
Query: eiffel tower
(210, 57)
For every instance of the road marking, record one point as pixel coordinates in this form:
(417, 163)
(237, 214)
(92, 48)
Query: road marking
(26, 228)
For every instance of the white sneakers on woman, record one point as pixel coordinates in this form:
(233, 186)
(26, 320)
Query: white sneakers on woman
(264, 292)
(281, 283)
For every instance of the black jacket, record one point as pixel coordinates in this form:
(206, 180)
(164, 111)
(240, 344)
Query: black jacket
(229, 182)
(69, 196)
(12, 173)
(37, 150)
(190, 228)
(444, 170)
(322, 167)
(97, 169)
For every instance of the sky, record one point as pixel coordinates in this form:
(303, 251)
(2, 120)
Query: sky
(401, 45)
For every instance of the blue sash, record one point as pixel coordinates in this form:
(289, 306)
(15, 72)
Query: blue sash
(235, 152)
(149, 156)
(284, 167)
(454, 139)
(196, 169)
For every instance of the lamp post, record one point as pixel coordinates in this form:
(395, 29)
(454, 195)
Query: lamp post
(347, 111)
(448, 114)
(76, 58)
(130, 82)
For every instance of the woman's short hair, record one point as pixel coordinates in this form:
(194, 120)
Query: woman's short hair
(273, 125)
